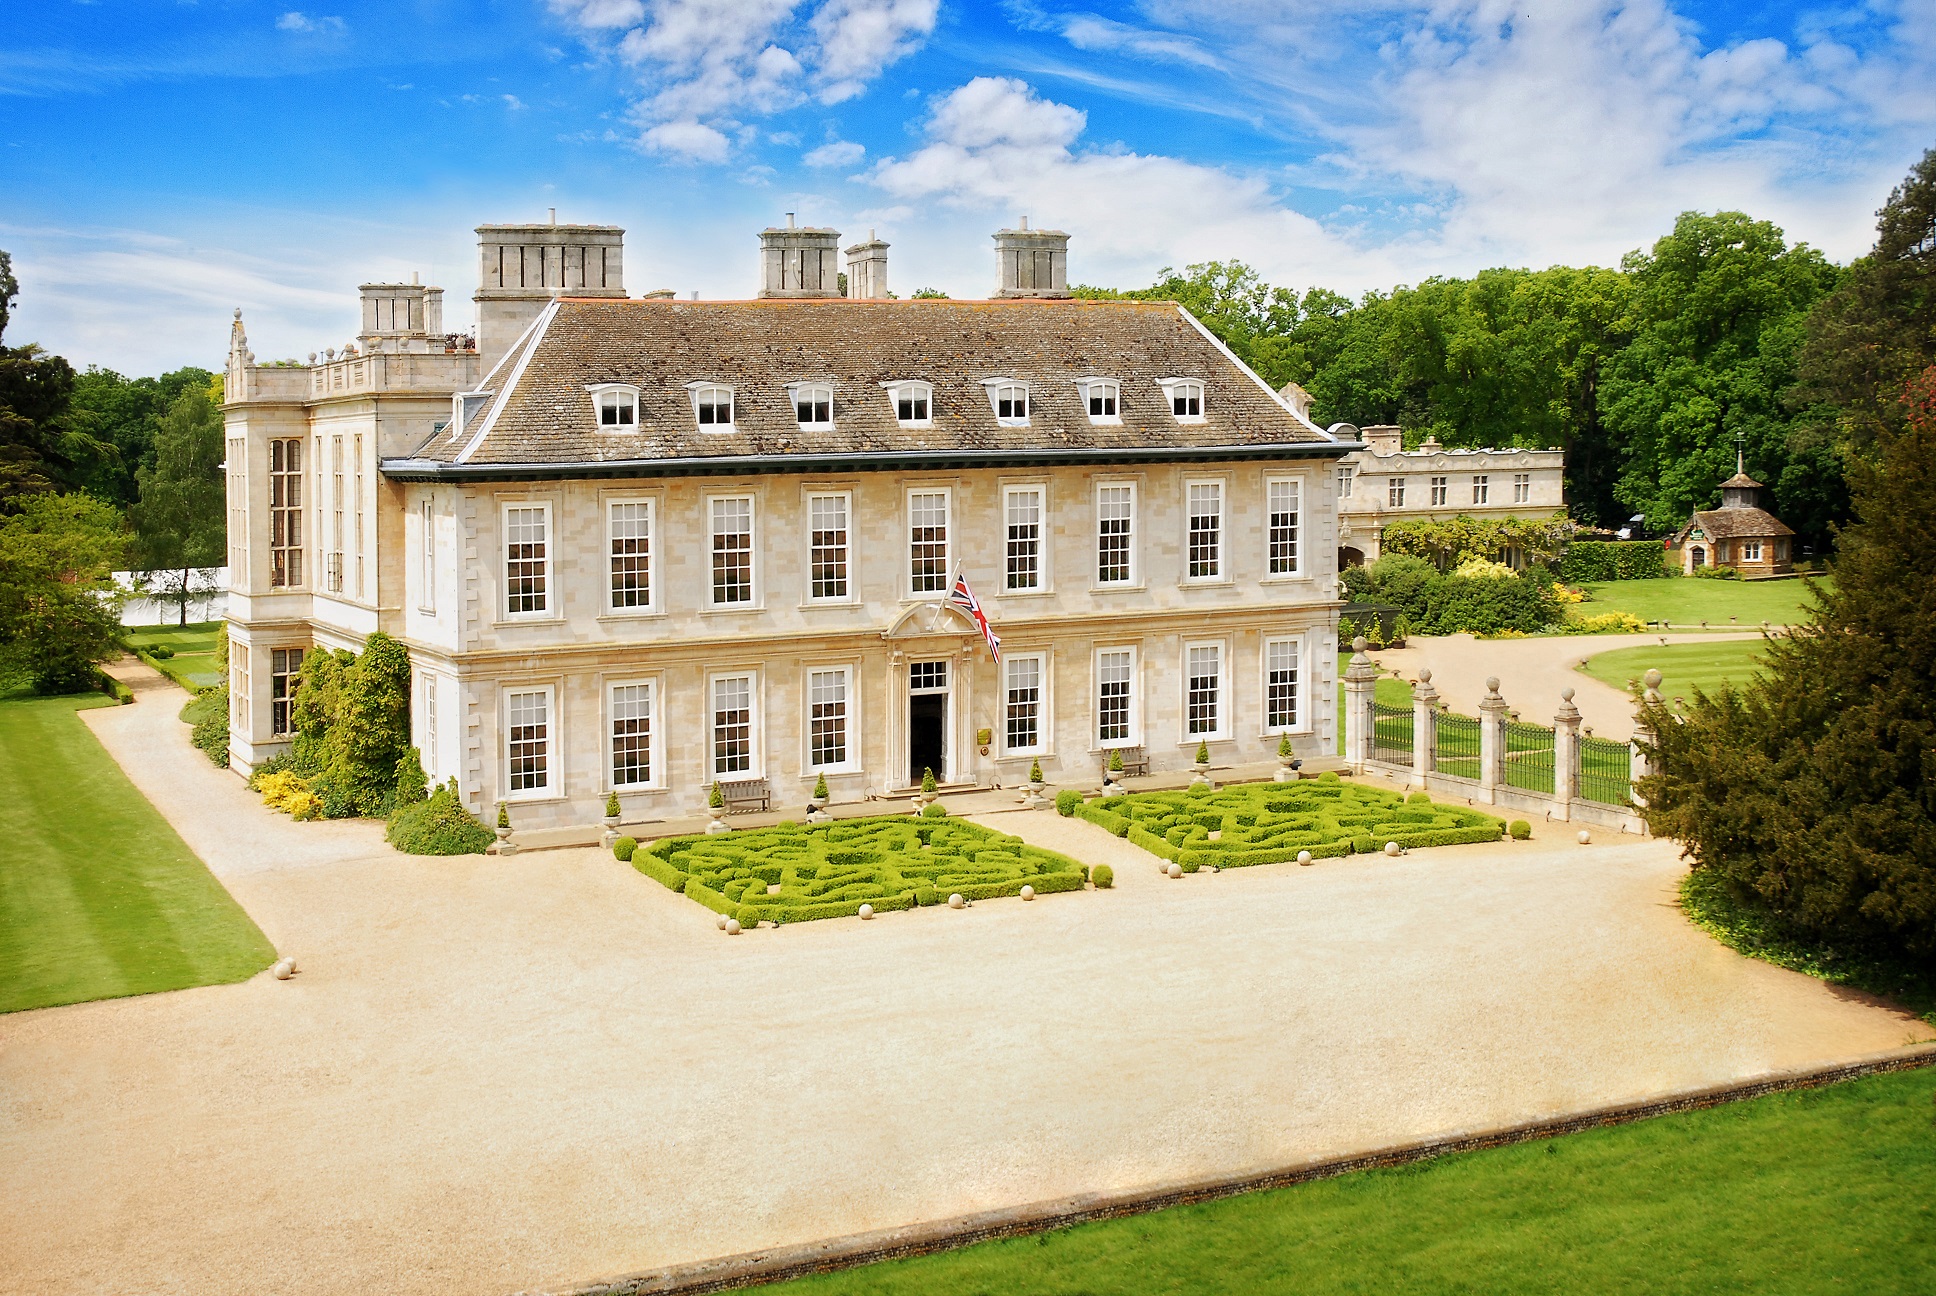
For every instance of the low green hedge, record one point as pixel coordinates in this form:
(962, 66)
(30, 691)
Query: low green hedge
(830, 870)
(1269, 823)
(1609, 560)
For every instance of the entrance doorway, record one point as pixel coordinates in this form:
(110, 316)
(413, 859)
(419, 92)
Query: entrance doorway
(927, 720)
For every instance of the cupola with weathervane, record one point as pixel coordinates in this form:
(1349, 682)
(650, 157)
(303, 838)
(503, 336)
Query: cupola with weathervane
(1740, 534)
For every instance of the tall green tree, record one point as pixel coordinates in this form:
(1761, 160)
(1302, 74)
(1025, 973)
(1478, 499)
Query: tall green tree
(1868, 338)
(40, 447)
(59, 611)
(124, 416)
(180, 522)
(1717, 314)
(1812, 795)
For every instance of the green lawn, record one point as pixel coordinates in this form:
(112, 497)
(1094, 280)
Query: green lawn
(1686, 601)
(1683, 667)
(1826, 1190)
(98, 896)
(193, 666)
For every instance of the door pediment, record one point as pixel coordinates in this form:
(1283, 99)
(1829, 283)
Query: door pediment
(925, 620)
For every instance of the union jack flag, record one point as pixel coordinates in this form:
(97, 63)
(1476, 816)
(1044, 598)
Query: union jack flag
(964, 598)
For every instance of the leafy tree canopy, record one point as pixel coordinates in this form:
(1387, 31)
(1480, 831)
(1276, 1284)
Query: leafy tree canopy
(58, 614)
(124, 415)
(180, 522)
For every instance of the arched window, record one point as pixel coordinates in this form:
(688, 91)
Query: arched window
(813, 404)
(712, 406)
(617, 405)
(1100, 399)
(1010, 400)
(1186, 398)
(913, 403)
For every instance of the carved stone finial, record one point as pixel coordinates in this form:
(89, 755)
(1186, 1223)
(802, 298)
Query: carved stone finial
(1651, 679)
(1425, 675)
(1358, 644)
(1566, 694)
(1492, 684)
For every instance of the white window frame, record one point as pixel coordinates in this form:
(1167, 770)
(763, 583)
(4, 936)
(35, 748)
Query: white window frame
(1394, 492)
(799, 393)
(752, 602)
(430, 746)
(427, 556)
(1175, 389)
(846, 498)
(1041, 491)
(994, 387)
(1481, 488)
(1298, 528)
(1044, 703)
(1107, 390)
(622, 399)
(1221, 573)
(1522, 488)
(554, 776)
(755, 728)
(910, 390)
(1347, 478)
(1441, 487)
(947, 539)
(548, 612)
(700, 390)
(1751, 551)
(1134, 737)
(654, 738)
(1135, 564)
(1302, 690)
(651, 605)
(1222, 730)
(851, 720)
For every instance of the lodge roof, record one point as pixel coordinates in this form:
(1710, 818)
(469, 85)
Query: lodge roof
(1741, 480)
(542, 414)
(1735, 524)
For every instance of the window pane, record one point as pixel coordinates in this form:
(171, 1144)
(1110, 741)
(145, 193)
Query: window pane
(1205, 687)
(927, 677)
(1206, 528)
(631, 735)
(827, 720)
(828, 515)
(1024, 539)
(1284, 499)
(1024, 708)
(928, 540)
(528, 744)
(733, 725)
(631, 526)
(1113, 670)
(525, 551)
(1115, 520)
(732, 551)
(1280, 684)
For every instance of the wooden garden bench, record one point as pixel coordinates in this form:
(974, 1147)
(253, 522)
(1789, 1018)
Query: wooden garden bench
(1135, 760)
(746, 795)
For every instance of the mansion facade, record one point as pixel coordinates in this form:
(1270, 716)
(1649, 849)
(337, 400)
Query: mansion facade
(643, 545)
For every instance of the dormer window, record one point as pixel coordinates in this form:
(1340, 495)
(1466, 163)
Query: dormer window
(1186, 398)
(1099, 397)
(813, 405)
(617, 405)
(712, 406)
(913, 403)
(1010, 400)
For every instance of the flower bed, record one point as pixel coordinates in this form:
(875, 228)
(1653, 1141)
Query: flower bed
(1269, 823)
(831, 870)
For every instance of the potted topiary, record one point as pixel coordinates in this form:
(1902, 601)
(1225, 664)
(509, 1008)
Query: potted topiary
(505, 846)
(1287, 763)
(820, 795)
(1033, 799)
(716, 806)
(1202, 776)
(928, 786)
(1035, 775)
(612, 811)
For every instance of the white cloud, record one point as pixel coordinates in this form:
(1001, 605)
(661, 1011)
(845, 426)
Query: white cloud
(835, 153)
(713, 63)
(297, 21)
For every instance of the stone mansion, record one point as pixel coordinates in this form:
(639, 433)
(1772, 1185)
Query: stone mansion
(641, 545)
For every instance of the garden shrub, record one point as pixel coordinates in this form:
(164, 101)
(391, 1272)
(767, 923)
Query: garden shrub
(625, 847)
(612, 810)
(352, 723)
(1268, 823)
(1478, 598)
(437, 825)
(934, 810)
(1603, 623)
(1611, 560)
(211, 732)
(1520, 829)
(1066, 802)
(820, 788)
(413, 785)
(1103, 876)
(1718, 572)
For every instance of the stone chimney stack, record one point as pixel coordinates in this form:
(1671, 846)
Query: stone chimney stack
(1384, 438)
(799, 261)
(395, 313)
(1032, 263)
(867, 269)
(522, 267)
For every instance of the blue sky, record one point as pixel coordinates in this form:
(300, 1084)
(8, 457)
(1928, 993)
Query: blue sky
(165, 162)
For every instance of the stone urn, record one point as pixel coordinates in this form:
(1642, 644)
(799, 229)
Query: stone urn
(505, 846)
(1287, 769)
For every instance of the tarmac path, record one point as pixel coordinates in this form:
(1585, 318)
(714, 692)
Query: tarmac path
(494, 1074)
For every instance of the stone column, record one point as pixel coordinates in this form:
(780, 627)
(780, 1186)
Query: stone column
(1492, 742)
(1566, 756)
(1425, 729)
(1360, 682)
(1641, 761)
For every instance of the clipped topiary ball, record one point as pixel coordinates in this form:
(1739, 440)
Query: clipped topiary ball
(1103, 876)
(1520, 830)
(625, 847)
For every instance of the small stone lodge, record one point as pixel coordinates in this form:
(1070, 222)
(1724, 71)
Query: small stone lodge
(640, 545)
(1739, 534)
